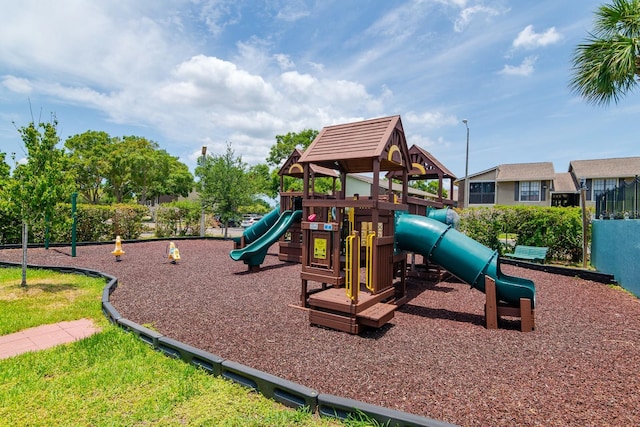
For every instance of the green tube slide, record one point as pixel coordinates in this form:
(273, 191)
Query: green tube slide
(254, 253)
(446, 216)
(467, 259)
(253, 233)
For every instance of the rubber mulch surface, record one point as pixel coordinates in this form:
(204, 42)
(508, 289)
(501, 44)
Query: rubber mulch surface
(435, 358)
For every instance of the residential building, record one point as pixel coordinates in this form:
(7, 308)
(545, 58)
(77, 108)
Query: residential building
(600, 175)
(538, 184)
(510, 184)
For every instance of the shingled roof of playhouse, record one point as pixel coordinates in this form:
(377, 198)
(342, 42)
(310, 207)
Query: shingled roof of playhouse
(356, 147)
(425, 166)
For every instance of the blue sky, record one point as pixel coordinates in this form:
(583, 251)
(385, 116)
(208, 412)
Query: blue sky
(207, 72)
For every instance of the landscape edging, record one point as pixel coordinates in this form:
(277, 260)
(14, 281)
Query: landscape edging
(594, 276)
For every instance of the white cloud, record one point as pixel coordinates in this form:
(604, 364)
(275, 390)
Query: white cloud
(524, 69)
(316, 66)
(399, 23)
(254, 55)
(219, 14)
(339, 95)
(430, 119)
(529, 39)
(427, 142)
(209, 81)
(293, 11)
(105, 45)
(284, 61)
(467, 13)
(17, 84)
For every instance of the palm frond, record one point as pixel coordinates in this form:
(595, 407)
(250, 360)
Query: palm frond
(606, 65)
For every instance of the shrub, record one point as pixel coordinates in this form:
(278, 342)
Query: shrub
(178, 219)
(483, 225)
(94, 223)
(559, 229)
(127, 220)
(10, 223)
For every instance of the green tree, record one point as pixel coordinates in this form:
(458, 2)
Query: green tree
(260, 179)
(175, 179)
(9, 215)
(43, 181)
(285, 144)
(117, 174)
(125, 168)
(145, 166)
(281, 150)
(224, 185)
(5, 169)
(90, 156)
(430, 186)
(606, 66)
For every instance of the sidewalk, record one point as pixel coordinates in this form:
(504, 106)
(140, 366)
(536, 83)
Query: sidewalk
(45, 336)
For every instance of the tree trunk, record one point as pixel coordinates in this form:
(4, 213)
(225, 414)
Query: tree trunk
(25, 239)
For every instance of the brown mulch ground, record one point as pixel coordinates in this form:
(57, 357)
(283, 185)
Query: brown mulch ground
(435, 358)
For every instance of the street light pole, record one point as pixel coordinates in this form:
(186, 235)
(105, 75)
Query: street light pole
(202, 217)
(466, 168)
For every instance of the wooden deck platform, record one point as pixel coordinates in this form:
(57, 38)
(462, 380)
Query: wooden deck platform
(332, 309)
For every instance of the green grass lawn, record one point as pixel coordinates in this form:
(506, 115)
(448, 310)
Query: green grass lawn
(505, 236)
(113, 378)
(49, 298)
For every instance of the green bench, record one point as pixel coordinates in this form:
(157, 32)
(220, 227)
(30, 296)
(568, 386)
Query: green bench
(529, 253)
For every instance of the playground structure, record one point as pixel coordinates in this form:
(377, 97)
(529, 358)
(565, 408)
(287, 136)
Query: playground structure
(255, 241)
(291, 242)
(354, 250)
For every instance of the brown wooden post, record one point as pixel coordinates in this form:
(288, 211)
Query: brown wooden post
(303, 294)
(405, 185)
(526, 315)
(491, 305)
(375, 265)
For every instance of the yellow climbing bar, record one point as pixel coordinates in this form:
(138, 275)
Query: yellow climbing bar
(371, 237)
(352, 266)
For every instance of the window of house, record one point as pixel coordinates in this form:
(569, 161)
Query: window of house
(482, 193)
(530, 191)
(601, 185)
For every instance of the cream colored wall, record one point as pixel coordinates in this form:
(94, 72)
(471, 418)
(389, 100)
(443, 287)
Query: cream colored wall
(354, 186)
(504, 193)
(506, 190)
(487, 176)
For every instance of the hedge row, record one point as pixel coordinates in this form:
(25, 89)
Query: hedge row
(559, 229)
(94, 223)
(178, 219)
(99, 222)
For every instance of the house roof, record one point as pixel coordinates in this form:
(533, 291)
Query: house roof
(473, 175)
(525, 172)
(625, 167)
(291, 167)
(564, 183)
(384, 184)
(354, 147)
